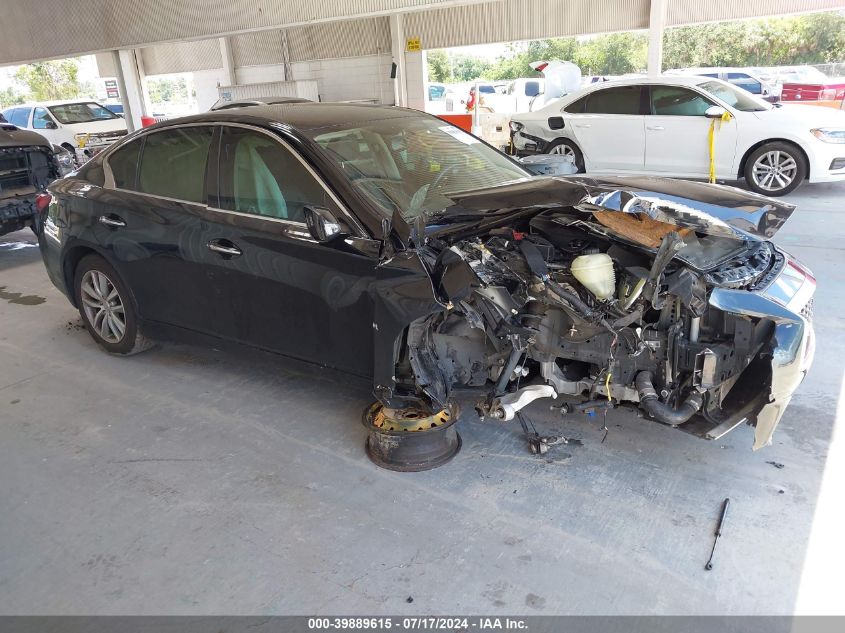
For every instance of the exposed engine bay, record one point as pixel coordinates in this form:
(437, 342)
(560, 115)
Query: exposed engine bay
(613, 301)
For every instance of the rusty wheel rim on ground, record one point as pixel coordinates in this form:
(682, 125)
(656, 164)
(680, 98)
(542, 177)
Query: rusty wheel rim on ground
(411, 440)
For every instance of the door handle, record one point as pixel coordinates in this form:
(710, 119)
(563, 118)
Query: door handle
(655, 127)
(112, 220)
(583, 125)
(224, 248)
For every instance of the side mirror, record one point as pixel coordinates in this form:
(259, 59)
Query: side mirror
(50, 125)
(323, 225)
(714, 112)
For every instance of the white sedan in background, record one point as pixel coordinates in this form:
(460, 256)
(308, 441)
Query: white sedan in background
(660, 125)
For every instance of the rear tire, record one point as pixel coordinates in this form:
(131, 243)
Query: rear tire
(107, 307)
(775, 169)
(567, 148)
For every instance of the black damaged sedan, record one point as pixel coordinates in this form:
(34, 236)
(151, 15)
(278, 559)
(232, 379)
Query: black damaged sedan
(390, 244)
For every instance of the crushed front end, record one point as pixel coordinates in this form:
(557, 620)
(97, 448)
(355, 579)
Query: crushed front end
(660, 296)
(25, 171)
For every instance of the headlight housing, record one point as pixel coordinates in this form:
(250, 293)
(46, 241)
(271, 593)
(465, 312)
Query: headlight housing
(829, 134)
(516, 126)
(81, 139)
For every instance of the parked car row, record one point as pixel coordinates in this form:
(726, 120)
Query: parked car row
(660, 126)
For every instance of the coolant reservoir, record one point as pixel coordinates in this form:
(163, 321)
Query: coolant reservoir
(595, 272)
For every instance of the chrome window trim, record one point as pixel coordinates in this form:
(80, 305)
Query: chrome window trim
(108, 176)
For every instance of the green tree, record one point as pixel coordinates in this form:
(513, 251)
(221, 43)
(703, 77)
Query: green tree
(815, 38)
(10, 97)
(46, 81)
(438, 66)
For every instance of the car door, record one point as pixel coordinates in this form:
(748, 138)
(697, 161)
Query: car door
(609, 127)
(676, 134)
(148, 217)
(276, 287)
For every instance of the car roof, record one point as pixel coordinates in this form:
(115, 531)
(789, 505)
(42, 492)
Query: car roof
(302, 116)
(42, 104)
(253, 101)
(673, 80)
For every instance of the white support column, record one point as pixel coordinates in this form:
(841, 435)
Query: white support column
(397, 51)
(656, 26)
(131, 89)
(228, 61)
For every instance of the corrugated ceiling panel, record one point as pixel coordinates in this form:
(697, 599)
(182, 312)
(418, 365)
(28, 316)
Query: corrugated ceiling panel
(181, 57)
(516, 20)
(339, 39)
(690, 12)
(254, 49)
(58, 28)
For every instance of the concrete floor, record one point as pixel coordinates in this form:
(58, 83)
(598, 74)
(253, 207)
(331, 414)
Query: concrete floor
(187, 481)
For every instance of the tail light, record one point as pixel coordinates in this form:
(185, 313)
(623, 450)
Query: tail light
(42, 202)
(539, 67)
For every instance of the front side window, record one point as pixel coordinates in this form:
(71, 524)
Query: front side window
(678, 101)
(261, 176)
(70, 113)
(124, 165)
(746, 82)
(173, 163)
(619, 100)
(409, 164)
(40, 119)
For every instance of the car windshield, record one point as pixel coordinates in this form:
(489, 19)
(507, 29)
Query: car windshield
(70, 113)
(409, 164)
(735, 97)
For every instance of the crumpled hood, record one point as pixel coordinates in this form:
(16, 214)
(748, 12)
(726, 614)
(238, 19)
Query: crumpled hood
(12, 136)
(705, 208)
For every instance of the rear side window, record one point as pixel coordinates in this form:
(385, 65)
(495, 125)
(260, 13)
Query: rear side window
(124, 165)
(578, 106)
(19, 116)
(259, 175)
(621, 100)
(532, 88)
(173, 163)
(676, 101)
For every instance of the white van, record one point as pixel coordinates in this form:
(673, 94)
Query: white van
(83, 127)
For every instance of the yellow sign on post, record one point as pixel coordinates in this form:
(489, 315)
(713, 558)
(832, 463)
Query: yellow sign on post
(413, 45)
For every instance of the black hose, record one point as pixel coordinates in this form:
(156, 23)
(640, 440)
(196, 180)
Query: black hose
(663, 412)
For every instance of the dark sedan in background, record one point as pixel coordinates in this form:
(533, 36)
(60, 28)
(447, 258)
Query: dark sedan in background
(330, 233)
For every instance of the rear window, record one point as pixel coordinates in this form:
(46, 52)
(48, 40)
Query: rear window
(619, 100)
(124, 165)
(173, 163)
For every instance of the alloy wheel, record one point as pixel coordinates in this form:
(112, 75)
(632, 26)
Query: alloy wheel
(563, 149)
(103, 306)
(774, 170)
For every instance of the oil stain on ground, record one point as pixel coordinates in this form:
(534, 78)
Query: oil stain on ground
(22, 299)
